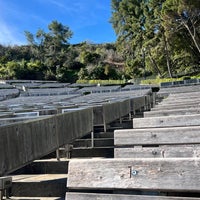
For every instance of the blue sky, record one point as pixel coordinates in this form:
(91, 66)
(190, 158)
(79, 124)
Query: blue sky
(88, 19)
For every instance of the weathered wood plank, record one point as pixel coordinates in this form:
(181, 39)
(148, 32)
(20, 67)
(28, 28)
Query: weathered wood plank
(179, 100)
(167, 121)
(24, 142)
(157, 136)
(177, 90)
(138, 102)
(21, 143)
(98, 115)
(147, 102)
(107, 113)
(74, 124)
(164, 174)
(163, 105)
(177, 106)
(163, 151)
(97, 196)
(111, 111)
(187, 94)
(125, 107)
(167, 112)
(172, 102)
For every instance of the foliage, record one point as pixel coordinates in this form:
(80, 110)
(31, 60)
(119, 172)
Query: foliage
(101, 82)
(158, 36)
(49, 56)
(154, 37)
(157, 81)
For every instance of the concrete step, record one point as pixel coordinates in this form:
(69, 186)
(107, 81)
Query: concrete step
(44, 185)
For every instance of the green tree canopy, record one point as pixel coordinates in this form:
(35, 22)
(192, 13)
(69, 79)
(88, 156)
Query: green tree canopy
(158, 36)
(51, 48)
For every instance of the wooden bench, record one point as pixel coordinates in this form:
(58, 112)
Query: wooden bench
(167, 121)
(140, 174)
(159, 157)
(171, 112)
(157, 142)
(177, 106)
(178, 99)
(97, 196)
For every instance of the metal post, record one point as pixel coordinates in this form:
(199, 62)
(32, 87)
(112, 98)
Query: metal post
(130, 116)
(68, 148)
(92, 139)
(104, 126)
(58, 154)
(1, 194)
(120, 120)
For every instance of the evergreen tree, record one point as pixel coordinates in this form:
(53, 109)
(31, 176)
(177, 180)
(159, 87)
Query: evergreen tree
(51, 48)
(156, 35)
(128, 21)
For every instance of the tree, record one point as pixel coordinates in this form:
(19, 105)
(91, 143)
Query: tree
(181, 20)
(51, 48)
(157, 35)
(154, 35)
(183, 14)
(129, 21)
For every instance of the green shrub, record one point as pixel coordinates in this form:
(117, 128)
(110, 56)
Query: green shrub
(159, 80)
(101, 82)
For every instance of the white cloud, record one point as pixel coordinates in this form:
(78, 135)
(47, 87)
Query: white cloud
(9, 32)
(9, 36)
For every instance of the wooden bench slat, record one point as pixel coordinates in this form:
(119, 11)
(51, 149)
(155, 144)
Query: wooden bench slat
(167, 121)
(167, 112)
(171, 99)
(97, 196)
(179, 102)
(164, 151)
(163, 174)
(157, 136)
(176, 106)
